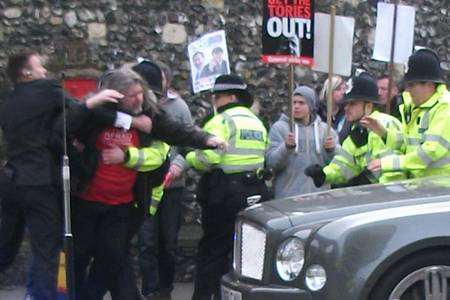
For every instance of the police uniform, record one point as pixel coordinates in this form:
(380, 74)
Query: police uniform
(361, 146)
(425, 136)
(232, 180)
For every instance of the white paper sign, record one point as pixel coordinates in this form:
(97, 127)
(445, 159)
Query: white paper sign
(404, 36)
(344, 29)
(208, 57)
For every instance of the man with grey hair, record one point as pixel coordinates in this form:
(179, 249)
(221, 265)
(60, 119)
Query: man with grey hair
(289, 153)
(104, 207)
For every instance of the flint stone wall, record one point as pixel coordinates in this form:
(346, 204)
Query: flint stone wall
(86, 37)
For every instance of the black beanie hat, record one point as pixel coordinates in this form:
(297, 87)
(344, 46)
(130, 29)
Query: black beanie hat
(424, 65)
(364, 88)
(151, 73)
(233, 84)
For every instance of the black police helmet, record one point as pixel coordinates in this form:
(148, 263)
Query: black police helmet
(233, 84)
(424, 65)
(364, 88)
(151, 73)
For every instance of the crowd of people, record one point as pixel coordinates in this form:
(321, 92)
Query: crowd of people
(131, 141)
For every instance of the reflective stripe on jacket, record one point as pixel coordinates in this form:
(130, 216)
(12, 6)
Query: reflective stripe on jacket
(147, 158)
(157, 194)
(246, 137)
(351, 160)
(425, 137)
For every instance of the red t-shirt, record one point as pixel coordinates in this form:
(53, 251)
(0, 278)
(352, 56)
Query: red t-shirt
(113, 184)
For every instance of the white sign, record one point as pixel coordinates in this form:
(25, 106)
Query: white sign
(344, 28)
(404, 36)
(208, 57)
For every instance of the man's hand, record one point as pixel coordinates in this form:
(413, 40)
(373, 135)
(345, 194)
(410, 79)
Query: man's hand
(374, 125)
(113, 156)
(290, 141)
(374, 166)
(216, 143)
(142, 123)
(105, 96)
(175, 170)
(330, 144)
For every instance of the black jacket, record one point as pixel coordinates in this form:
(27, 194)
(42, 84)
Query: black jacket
(84, 164)
(27, 117)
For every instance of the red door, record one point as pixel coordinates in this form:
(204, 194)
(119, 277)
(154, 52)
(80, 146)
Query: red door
(79, 87)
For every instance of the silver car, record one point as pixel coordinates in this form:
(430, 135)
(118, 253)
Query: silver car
(370, 242)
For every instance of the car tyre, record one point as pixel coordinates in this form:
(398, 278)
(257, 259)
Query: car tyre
(407, 266)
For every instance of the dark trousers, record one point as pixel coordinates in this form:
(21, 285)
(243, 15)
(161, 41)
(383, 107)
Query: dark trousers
(157, 240)
(219, 210)
(101, 232)
(39, 209)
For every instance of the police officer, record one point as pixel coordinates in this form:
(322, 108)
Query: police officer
(425, 113)
(232, 179)
(362, 145)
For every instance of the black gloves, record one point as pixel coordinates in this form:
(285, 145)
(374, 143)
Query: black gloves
(359, 136)
(316, 173)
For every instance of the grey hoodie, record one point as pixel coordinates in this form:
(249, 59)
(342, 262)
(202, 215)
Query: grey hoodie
(289, 165)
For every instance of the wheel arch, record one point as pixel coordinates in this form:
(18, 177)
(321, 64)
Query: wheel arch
(405, 253)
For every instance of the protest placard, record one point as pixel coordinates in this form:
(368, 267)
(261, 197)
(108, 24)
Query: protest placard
(288, 22)
(208, 57)
(344, 28)
(404, 35)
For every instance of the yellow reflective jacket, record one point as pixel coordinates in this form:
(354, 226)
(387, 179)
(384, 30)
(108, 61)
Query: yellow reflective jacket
(351, 160)
(149, 159)
(246, 137)
(425, 137)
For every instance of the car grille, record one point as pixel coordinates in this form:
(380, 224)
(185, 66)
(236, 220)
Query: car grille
(249, 251)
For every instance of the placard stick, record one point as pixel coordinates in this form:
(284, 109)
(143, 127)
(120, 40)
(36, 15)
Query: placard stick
(330, 70)
(290, 92)
(391, 61)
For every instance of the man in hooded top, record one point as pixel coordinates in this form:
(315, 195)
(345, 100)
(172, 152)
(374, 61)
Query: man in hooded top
(289, 153)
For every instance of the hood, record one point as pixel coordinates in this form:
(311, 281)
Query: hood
(338, 203)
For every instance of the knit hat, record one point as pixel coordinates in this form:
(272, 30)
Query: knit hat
(233, 84)
(151, 73)
(310, 96)
(424, 65)
(364, 88)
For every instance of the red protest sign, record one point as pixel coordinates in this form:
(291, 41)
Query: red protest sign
(288, 32)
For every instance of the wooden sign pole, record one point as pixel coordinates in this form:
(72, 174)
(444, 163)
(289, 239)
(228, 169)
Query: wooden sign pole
(330, 70)
(290, 92)
(391, 61)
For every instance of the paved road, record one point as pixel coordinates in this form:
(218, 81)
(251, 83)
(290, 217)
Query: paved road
(183, 291)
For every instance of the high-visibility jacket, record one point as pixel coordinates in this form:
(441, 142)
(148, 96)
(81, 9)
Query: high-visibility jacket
(157, 194)
(149, 159)
(351, 160)
(245, 135)
(425, 137)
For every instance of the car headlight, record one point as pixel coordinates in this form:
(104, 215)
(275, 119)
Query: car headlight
(290, 259)
(315, 278)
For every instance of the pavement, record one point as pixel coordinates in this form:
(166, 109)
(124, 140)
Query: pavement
(182, 291)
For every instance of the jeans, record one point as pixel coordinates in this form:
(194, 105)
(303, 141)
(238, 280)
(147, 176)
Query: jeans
(39, 209)
(157, 243)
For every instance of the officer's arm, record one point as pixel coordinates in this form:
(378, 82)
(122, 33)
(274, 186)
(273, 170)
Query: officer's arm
(204, 159)
(343, 167)
(394, 137)
(147, 158)
(435, 146)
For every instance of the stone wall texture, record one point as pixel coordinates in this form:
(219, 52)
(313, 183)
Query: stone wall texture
(101, 33)
(88, 36)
